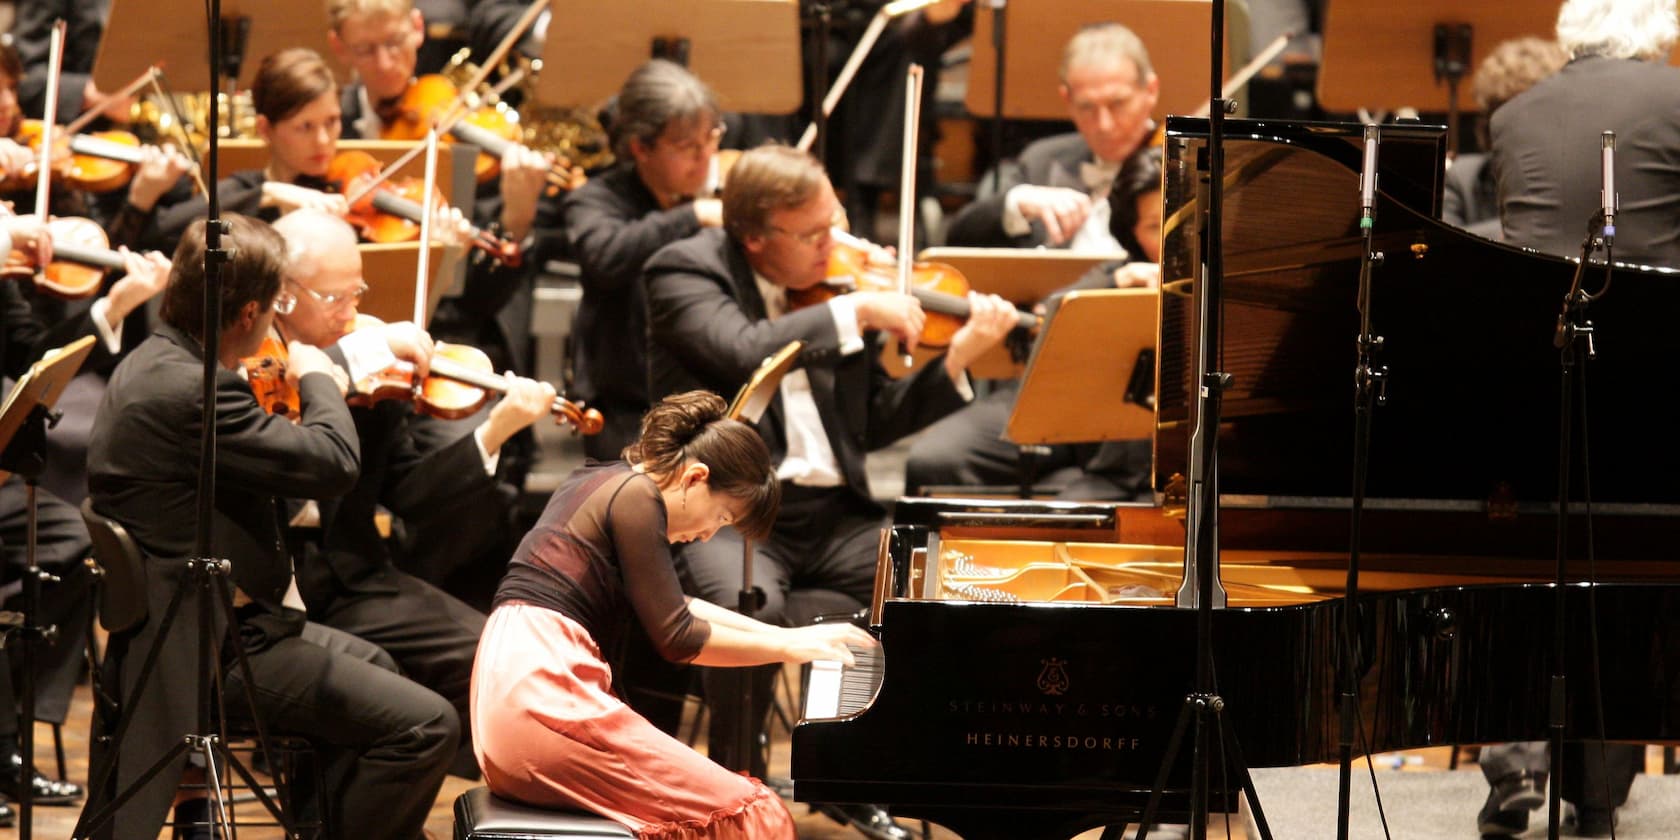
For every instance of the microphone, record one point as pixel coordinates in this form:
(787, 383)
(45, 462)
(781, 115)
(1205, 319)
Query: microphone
(1607, 197)
(1368, 179)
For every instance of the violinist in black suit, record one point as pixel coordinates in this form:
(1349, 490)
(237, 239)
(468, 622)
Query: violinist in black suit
(383, 741)
(347, 578)
(666, 130)
(717, 306)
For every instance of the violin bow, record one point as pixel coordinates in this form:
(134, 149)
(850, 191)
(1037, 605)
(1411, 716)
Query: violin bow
(457, 109)
(907, 185)
(76, 125)
(422, 266)
(161, 87)
(1241, 77)
(871, 34)
(43, 167)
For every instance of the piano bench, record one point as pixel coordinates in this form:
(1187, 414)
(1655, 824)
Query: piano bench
(481, 816)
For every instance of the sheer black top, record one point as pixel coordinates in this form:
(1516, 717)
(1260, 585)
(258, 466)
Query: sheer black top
(599, 543)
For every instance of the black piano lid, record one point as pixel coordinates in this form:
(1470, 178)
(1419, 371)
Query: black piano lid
(1467, 323)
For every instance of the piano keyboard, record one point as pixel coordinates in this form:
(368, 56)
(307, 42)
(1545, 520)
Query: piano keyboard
(834, 690)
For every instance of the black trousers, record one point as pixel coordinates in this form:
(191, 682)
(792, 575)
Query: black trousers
(820, 560)
(385, 742)
(430, 634)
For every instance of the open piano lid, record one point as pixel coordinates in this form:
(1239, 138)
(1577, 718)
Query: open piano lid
(1467, 324)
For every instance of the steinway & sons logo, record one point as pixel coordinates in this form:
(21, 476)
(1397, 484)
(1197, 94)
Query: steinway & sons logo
(1054, 720)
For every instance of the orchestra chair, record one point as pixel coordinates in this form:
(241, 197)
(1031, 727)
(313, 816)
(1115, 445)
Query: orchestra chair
(481, 815)
(121, 607)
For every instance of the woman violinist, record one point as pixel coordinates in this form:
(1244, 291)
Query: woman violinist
(547, 726)
(296, 100)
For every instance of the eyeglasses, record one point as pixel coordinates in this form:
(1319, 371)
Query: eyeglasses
(393, 45)
(813, 238)
(692, 147)
(328, 300)
(284, 303)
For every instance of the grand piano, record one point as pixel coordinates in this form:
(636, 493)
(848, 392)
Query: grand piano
(1033, 661)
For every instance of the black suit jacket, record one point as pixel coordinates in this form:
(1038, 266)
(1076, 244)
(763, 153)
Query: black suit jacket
(1546, 158)
(351, 557)
(1050, 162)
(708, 329)
(613, 224)
(143, 472)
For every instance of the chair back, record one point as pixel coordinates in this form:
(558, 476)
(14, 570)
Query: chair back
(122, 597)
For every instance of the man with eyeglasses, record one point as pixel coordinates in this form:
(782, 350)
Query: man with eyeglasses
(717, 306)
(665, 128)
(1053, 194)
(380, 40)
(346, 574)
(383, 741)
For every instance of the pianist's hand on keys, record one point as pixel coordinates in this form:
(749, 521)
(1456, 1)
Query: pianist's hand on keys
(825, 641)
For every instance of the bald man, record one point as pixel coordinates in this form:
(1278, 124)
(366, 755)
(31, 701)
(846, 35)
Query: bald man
(348, 577)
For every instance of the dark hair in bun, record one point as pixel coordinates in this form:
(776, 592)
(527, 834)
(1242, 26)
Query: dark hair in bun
(692, 426)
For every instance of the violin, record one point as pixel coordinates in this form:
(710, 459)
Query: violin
(391, 211)
(96, 162)
(81, 256)
(492, 130)
(266, 373)
(941, 289)
(459, 383)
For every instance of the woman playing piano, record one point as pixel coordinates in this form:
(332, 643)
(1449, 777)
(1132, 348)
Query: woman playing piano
(547, 727)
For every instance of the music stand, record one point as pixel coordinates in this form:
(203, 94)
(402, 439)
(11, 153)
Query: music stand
(175, 31)
(1386, 56)
(41, 386)
(1097, 352)
(760, 388)
(748, 406)
(388, 270)
(23, 440)
(1021, 276)
(746, 50)
(1030, 71)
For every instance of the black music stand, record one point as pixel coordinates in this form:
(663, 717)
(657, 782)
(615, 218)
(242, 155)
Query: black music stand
(174, 31)
(749, 406)
(23, 451)
(746, 50)
(1387, 56)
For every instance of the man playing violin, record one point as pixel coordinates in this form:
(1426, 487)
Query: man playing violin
(380, 40)
(383, 741)
(348, 579)
(716, 308)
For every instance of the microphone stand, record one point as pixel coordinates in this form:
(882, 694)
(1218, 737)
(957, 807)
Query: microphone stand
(1201, 552)
(1370, 390)
(205, 572)
(1573, 339)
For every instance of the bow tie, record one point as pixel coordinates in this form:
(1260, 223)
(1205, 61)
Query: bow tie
(1098, 177)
